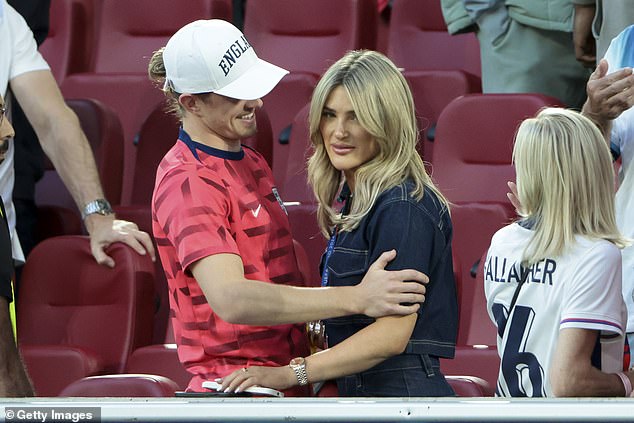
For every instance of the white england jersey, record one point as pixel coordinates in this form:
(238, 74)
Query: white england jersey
(581, 289)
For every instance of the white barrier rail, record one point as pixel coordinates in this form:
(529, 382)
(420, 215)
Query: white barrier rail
(316, 410)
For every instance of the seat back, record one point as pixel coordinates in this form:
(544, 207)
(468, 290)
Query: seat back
(293, 186)
(473, 226)
(105, 135)
(160, 359)
(282, 104)
(131, 96)
(158, 134)
(67, 299)
(418, 39)
(122, 385)
(68, 46)
(52, 367)
(479, 361)
(470, 386)
(474, 145)
(432, 91)
(129, 31)
(303, 220)
(306, 35)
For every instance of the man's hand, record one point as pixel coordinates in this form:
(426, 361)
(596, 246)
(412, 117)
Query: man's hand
(585, 45)
(608, 95)
(104, 230)
(382, 292)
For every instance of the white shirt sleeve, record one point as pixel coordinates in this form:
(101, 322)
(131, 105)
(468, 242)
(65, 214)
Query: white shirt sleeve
(25, 57)
(592, 299)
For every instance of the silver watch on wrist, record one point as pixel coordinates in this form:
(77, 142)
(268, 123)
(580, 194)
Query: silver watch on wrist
(299, 367)
(99, 206)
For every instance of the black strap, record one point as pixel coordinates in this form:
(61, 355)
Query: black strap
(517, 289)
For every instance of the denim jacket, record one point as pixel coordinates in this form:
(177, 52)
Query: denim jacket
(420, 232)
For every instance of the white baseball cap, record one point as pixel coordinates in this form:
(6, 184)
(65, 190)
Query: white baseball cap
(214, 56)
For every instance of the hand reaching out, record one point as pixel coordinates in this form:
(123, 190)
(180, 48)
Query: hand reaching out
(104, 230)
(608, 95)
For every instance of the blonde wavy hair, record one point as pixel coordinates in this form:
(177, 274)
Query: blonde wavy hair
(383, 104)
(565, 182)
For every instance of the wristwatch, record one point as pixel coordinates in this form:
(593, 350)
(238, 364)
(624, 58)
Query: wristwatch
(299, 367)
(99, 206)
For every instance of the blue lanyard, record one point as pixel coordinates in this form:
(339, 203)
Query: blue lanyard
(345, 198)
(329, 251)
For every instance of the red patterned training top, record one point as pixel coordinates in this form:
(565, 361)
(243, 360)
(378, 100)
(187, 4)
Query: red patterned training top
(209, 201)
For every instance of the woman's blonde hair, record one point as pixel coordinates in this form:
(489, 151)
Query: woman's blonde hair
(383, 104)
(565, 182)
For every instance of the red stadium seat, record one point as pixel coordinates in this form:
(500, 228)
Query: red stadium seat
(142, 216)
(433, 91)
(478, 361)
(122, 385)
(306, 232)
(131, 96)
(293, 185)
(298, 195)
(310, 35)
(159, 359)
(282, 104)
(58, 213)
(418, 39)
(473, 226)
(75, 314)
(470, 386)
(68, 46)
(474, 144)
(129, 31)
(53, 367)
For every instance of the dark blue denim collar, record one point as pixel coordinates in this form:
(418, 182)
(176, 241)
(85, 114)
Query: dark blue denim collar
(195, 146)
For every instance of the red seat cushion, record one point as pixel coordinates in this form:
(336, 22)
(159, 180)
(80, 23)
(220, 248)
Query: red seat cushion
(121, 385)
(52, 367)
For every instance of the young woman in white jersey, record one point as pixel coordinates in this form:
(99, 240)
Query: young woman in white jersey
(553, 279)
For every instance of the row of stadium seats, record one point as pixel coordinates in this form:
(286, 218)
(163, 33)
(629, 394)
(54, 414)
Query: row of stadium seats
(91, 36)
(100, 50)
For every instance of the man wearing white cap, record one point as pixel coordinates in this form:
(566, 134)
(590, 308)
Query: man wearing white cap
(221, 228)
